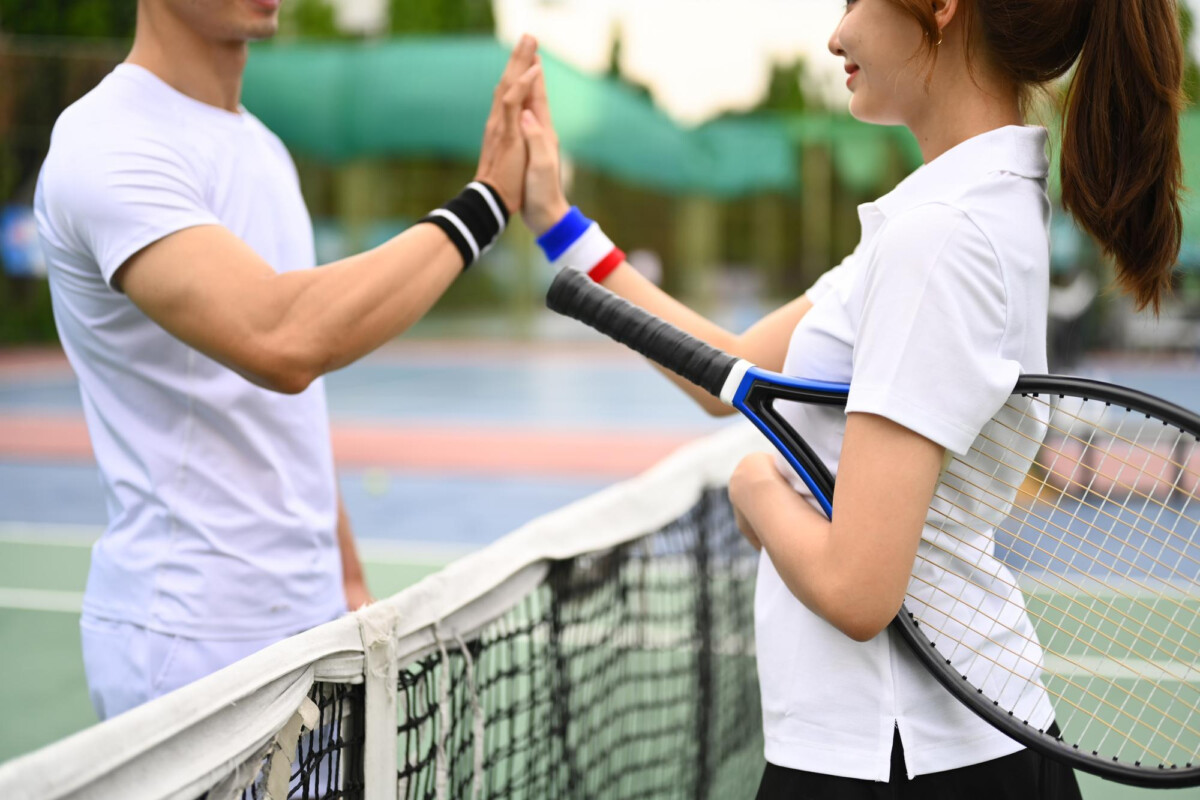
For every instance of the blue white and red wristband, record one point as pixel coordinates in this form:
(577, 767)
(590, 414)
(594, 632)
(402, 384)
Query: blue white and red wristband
(575, 242)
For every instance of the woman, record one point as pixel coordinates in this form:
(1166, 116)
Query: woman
(930, 320)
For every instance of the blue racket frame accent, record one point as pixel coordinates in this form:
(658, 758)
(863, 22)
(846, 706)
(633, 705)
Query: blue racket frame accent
(755, 398)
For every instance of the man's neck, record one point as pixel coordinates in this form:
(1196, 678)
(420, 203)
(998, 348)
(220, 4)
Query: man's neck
(203, 69)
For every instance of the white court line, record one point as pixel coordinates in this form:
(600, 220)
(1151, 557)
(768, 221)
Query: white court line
(375, 551)
(51, 535)
(41, 600)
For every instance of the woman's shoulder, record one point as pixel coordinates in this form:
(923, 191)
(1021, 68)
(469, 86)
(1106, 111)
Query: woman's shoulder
(1002, 217)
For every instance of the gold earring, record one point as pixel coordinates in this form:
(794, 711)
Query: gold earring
(941, 35)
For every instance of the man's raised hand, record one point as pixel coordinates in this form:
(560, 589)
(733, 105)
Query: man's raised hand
(503, 158)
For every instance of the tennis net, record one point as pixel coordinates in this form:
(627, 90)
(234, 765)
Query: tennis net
(605, 650)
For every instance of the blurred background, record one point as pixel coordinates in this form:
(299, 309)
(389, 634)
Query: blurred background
(720, 156)
(708, 137)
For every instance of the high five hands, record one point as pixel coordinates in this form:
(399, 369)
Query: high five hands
(520, 156)
(545, 203)
(504, 156)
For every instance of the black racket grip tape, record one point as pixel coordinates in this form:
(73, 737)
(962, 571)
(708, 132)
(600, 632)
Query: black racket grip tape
(574, 294)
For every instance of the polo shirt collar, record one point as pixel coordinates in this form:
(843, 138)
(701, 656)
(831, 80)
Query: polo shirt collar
(1015, 149)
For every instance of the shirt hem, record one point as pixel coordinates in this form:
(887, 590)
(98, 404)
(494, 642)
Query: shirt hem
(960, 754)
(861, 765)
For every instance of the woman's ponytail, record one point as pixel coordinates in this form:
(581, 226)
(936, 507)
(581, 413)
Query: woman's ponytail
(1121, 166)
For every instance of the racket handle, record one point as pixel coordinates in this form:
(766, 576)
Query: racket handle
(576, 295)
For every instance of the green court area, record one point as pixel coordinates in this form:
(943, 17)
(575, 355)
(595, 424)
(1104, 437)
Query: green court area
(43, 689)
(41, 668)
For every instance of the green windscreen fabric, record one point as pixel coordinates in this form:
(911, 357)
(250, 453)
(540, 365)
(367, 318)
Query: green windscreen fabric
(1190, 147)
(430, 98)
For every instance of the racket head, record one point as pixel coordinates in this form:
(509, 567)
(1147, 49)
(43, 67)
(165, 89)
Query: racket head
(1058, 580)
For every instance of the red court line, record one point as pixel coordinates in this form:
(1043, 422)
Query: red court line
(24, 363)
(466, 450)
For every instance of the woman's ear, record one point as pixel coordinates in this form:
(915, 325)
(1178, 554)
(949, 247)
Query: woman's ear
(944, 11)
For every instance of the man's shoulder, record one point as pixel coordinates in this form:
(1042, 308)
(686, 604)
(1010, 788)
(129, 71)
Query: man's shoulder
(115, 114)
(112, 130)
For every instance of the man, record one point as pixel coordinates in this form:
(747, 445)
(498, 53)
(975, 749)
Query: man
(180, 256)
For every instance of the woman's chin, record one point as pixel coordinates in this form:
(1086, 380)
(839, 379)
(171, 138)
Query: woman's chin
(863, 111)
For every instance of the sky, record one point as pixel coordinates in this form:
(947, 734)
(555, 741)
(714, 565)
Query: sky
(698, 57)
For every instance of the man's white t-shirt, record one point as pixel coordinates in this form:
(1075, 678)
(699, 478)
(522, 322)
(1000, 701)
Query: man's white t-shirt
(221, 496)
(931, 321)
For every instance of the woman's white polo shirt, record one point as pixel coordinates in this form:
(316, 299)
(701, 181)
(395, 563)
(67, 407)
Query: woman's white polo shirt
(931, 320)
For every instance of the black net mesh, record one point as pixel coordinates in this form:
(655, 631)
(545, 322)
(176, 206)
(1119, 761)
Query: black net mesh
(328, 763)
(329, 766)
(629, 673)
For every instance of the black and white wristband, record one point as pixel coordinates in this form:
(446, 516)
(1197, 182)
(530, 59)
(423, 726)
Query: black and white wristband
(473, 221)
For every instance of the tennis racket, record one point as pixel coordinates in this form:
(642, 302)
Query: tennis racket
(1056, 589)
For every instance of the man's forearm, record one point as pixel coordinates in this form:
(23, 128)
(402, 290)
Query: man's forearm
(326, 318)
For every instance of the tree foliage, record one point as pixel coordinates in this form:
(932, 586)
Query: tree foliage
(441, 16)
(787, 90)
(109, 19)
(308, 19)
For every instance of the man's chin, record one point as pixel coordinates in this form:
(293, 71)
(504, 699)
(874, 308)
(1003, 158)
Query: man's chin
(262, 31)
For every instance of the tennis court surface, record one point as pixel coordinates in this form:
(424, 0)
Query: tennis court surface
(603, 650)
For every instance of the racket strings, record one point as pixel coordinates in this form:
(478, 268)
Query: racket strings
(1092, 425)
(1036, 546)
(1117, 557)
(1087, 491)
(1037, 664)
(1089, 445)
(1165, 541)
(1061, 543)
(1098, 621)
(1083, 688)
(1010, 673)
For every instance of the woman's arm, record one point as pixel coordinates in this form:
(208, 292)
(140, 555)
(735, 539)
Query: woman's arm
(764, 344)
(853, 571)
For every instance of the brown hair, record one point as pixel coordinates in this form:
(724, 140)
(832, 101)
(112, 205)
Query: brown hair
(1121, 166)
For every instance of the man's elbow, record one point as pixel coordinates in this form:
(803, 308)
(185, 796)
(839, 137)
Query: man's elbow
(285, 369)
(293, 382)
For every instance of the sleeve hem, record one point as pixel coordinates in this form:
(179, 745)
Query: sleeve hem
(112, 265)
(916, 417)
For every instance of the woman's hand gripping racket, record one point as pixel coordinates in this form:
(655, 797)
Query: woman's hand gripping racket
(1055, 590)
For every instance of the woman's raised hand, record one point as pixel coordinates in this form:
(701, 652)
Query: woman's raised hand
(545, 203)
